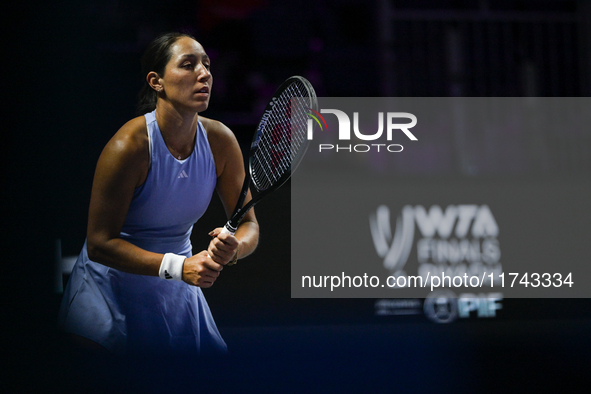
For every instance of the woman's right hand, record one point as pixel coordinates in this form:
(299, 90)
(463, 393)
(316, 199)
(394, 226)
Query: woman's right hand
(200, 270)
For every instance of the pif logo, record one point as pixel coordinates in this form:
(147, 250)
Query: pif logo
(344, 132)
(443, 306)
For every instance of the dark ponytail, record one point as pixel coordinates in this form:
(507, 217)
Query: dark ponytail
(155, 58)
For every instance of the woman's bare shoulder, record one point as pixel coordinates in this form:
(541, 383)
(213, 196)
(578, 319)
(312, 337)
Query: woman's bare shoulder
(223, 143)
(216, 130)
(130, 139)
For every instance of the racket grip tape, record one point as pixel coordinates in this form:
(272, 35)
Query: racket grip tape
(228, 229)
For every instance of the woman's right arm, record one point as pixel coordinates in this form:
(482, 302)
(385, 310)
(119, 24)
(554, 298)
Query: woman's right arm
(123, 166)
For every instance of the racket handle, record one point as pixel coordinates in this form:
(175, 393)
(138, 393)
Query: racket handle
(228, 229)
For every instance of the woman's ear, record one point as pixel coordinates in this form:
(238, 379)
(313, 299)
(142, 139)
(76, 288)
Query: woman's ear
(154, 81)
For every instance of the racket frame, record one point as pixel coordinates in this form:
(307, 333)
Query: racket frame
(240, 211)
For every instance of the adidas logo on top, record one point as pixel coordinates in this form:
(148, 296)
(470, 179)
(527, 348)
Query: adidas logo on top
(183, 174)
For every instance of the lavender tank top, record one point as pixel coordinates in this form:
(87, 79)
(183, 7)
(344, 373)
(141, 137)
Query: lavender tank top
(120, 310)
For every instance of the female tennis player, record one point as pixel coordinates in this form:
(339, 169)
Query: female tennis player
(136, 284)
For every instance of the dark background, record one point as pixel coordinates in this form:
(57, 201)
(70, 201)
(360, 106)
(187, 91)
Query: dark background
(71, 71)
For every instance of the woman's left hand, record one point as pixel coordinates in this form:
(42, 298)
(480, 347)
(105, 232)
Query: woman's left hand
(222, 247)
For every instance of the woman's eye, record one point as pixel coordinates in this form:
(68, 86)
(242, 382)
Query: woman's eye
(188, 65)
(207, 66)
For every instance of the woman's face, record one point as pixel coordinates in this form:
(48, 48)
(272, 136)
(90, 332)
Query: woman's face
(187, 78)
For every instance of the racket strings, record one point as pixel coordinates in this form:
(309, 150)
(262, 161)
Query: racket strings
(276, 154)
(282, 137)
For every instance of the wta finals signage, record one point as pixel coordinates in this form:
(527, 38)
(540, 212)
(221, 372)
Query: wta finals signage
(460, 240)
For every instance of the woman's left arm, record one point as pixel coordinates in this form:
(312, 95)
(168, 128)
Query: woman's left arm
(225, 248)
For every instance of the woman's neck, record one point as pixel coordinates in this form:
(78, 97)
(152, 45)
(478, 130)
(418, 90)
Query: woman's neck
(178, 129)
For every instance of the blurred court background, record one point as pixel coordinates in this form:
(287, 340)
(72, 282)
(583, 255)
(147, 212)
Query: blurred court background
(73, 79)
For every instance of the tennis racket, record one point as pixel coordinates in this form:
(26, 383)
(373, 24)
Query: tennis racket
(278, 145)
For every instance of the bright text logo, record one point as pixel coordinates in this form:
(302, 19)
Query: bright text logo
(389, 119)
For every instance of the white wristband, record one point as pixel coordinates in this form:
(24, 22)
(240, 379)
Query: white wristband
(172, 267)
